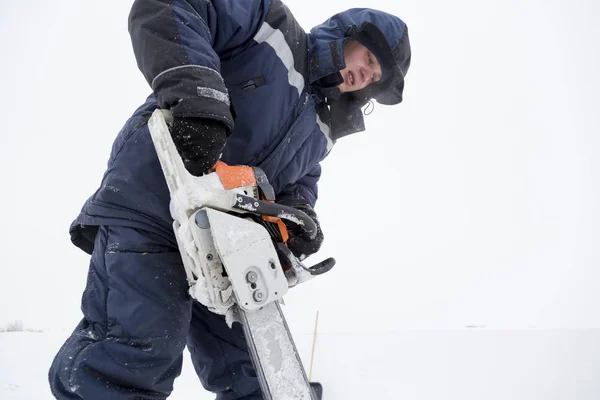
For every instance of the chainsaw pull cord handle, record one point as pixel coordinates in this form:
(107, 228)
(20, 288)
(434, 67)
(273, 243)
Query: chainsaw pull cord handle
(265, 208)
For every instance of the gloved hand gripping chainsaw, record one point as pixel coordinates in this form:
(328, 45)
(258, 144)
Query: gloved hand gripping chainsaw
(232, 241)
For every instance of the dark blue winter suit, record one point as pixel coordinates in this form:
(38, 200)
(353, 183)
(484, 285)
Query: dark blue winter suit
(249, 65)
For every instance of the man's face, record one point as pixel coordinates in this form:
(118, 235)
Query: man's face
(362, 67)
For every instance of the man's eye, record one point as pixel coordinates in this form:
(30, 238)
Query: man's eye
(370, 60)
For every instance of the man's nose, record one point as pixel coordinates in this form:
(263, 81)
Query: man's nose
(365, 73)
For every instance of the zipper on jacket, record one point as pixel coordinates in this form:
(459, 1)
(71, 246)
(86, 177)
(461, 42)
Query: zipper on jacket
(253, 84)
(288, 134)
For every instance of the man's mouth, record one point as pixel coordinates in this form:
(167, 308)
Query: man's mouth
(350, 79)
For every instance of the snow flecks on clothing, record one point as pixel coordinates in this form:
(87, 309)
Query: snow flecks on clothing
(91, 334)
(73, 388)
(112, 248)
(111, 188)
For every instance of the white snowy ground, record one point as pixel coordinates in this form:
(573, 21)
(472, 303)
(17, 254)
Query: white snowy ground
(467, 364)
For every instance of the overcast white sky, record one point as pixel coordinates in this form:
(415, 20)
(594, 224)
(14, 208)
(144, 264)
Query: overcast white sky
(474, 202)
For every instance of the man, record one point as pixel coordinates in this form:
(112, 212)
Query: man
(247, 85)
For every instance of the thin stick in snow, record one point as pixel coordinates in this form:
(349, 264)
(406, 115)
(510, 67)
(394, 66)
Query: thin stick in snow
(312, 357)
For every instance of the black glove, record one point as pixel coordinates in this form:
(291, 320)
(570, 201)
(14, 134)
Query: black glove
(299, 241)
(199, 141)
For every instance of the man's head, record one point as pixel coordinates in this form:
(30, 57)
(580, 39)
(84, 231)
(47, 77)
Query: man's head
(362, 67)
(393, 58)
(355, 56)
(346, 40)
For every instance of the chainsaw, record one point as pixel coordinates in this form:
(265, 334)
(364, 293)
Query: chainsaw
(232, 239)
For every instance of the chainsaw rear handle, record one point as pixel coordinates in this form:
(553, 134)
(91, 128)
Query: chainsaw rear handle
(269, 209)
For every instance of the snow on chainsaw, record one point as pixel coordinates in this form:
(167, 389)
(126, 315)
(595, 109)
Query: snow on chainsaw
(232, 239)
